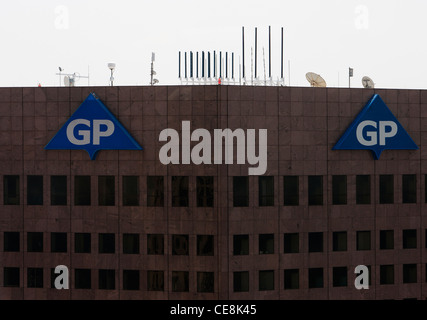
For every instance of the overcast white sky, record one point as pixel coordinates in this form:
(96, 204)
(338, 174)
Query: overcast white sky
(382, 39)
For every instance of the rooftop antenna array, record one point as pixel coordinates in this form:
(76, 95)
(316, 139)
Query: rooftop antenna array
(153, 73)
(70, 78)
(315, 80)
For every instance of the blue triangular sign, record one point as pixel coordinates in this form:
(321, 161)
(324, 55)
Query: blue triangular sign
(92, 127)
(376, 129)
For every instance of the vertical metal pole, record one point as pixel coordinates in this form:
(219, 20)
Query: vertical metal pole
(203, 64)
(214, 64)
(179, 65)
(256, 51)
(269, 51)
(232, 65)
(197, 64)
(185, 65)
(191, 64)
(226, 65)
(220, 64)
(282, 56)
(243, 51)
(209, 64)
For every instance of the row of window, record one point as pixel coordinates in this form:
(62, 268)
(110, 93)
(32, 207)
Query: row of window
(205, 190)
(205, 243)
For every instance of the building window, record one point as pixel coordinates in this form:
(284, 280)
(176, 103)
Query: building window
(82, 242)
(315, 278)
(240, 191)
(82, 190)
(205, 282)
(240, 244)
(339, 189)
(130, 279)
(409, 239)
(180, 281)
(291, 279)
(386, 188)
(11, 190)
(410, 273)
(266, 191)
(155, 191)
(11, 242)
(315, 242)
(131, 243)
(409, 188)
(11, 277)
(266, 243)
(35, 277)
(58, 242)
(35, 241)
(266, 280)
(155, 280)
(180, 244)
(106, 243)
(58, 190)
(180, 191)
(363, 240)
(106, 191)
(339, 275)
(291, 243)
(387, 274)
(83, 279)
(315, 190)
(205, 245)
(241, 281)
(386, 239)
(35, 190)
(363, 189)
(130, 190)
(205, 191)
(291, 190)
(155, 244)
(339, 241)
(106, 279)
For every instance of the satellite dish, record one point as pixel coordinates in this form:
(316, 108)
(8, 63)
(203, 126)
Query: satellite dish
(68, 81)
(368, 82)
(315, 80)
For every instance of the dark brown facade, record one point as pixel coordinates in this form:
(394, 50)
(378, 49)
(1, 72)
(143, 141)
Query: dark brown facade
(281, 244)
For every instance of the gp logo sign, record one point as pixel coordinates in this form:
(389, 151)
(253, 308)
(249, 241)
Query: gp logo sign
(376, 129)
(92, 127)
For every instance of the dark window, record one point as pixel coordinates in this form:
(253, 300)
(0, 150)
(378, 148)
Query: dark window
(130, 279)
(240, 191)
(35, 277)
(409, 188)
(387, 274)
(205, 282)
(82, 190)
(155, 191)
(155, 244)
(155, 280)
(315, 190)
(106, 191)
(339, 275)
(387, 188)
(11, 242)
(410, 273)
(241, 281)
(363, 189)
(339, 241)
(131, 243)
(266, 243)
(315, 278)
(291, 243)
(106, 243)
(386, 239)
(240, 244)
(180, 281)
(266, 191)
(205, 245)
(106, 279)
(35, 190)
(180, 244)
(58, 190)
(409, 239)
(83, 279)
(205, 191)
(58, 242)
(82, 243)
(11, 190)
(266, 280)
(339, 189)
(315, 242)
(35, 241)
(363, 240)
(130, 190)
(291, 279)
(180, 191)
(11, 277)
(291, 190)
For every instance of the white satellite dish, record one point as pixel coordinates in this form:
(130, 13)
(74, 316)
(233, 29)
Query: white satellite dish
(368, 82)
(68, 81)
(315, 80)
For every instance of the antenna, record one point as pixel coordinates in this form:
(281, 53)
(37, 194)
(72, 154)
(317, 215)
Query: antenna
(281, 65)
(315, 80)
(269, 52)
(256, 51)
(153, 73)
(368, 82)
(243, 51)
